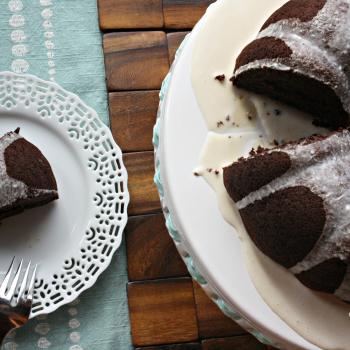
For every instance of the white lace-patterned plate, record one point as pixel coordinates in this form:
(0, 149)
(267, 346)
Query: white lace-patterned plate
(74, 238)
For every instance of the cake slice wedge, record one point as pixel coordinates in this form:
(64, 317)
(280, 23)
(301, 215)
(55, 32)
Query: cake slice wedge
(294, 201)
(26, 177)
(301, 57)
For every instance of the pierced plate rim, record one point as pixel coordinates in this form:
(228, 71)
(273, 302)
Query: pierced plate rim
(104, 133)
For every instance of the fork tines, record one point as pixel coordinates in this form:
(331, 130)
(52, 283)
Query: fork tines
(20, 279)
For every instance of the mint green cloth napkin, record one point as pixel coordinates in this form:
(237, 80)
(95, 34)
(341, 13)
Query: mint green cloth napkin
(59, 40)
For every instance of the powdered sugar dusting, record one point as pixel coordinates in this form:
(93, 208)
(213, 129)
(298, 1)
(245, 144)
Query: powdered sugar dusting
(323, 167)
(321, 48)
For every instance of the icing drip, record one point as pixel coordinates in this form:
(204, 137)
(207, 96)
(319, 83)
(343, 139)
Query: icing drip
(323, 167)
(321, 48)
(321, 319)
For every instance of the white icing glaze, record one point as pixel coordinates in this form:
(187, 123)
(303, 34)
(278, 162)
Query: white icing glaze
(282, 123)
(322, 320)
(219, 151)
(12, 189)
(326, 60)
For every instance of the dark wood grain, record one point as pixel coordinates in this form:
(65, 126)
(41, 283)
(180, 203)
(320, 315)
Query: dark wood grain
(211, 321)
(144, 197)
(133, 115)
(169, 311)
(246, 342)
(185, 346)
(135, 60)
(174, 41)
(162, 312)
(126, 14)
(183, 14)
(151, 253)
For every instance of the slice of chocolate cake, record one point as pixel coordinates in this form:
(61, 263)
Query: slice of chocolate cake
(26, 177)
(302, 58)
(294, 201)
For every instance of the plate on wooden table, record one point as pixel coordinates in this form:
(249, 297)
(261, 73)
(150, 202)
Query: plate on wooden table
(72, 239)
(206, 242)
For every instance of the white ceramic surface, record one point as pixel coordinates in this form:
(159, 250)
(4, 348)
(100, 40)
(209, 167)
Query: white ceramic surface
(205, 236)
(72, 239)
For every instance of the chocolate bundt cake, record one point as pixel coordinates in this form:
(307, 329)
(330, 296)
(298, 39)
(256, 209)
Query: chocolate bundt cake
(26, 177)
(302, 58)
(294, 201)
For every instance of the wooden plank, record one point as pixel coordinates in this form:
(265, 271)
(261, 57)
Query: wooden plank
(162, 312)
(151, 253)
(185, 346)
(126, 14)
(183, 14)
(174, 41)
(132, 115)
(135, 60)
(246, 342)
(211, 321)
(144, 196)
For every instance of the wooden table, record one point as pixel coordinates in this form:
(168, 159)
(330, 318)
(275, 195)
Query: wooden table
(168, 311)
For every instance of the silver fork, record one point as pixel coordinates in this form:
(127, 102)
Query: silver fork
(16, 304)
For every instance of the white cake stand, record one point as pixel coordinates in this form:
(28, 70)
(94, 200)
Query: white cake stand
(205, 241)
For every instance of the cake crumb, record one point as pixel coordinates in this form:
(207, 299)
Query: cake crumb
(277, 112)
(255, 152)
(230, 137)
(260, 150)
(219, 124)
(195, 174)
(209, 170)
(220, 77)
(217, 172)
(228, 118)
(275, 142)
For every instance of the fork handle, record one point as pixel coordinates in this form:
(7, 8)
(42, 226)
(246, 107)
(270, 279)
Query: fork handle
(5, 327)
